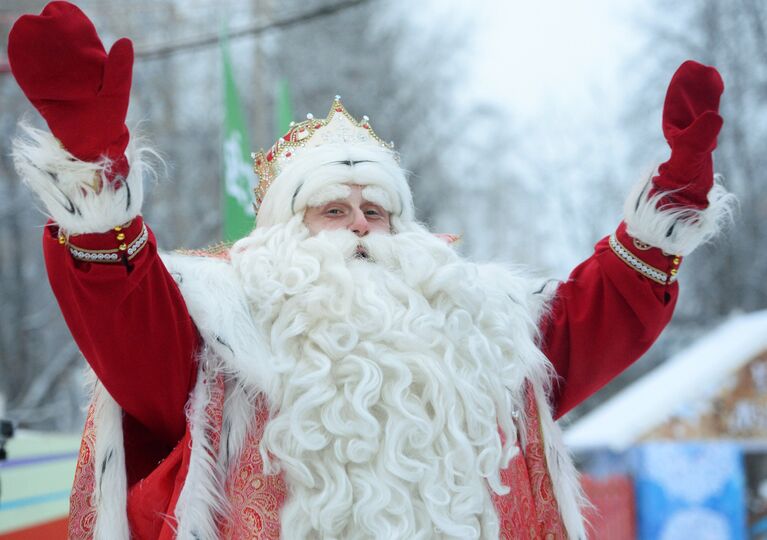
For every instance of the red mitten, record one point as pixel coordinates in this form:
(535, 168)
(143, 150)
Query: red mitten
(81, 91)
(691, 123)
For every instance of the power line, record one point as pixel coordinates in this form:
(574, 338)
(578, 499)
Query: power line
(159, 51)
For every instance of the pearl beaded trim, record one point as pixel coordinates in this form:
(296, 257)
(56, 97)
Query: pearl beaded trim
(111, 255)
(139, 243)
(639, 265)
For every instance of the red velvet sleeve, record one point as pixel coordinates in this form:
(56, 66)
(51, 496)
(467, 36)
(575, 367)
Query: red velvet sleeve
(606, 315)
(131, 324)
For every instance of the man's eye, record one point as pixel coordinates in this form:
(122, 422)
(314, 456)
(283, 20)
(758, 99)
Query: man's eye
(333, 211)
(372, 212)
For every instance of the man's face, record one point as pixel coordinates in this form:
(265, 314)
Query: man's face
(353, 213)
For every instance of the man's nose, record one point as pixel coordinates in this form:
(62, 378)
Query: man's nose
(359, 224)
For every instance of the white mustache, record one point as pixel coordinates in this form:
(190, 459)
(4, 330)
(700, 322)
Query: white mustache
(362, 253)
(368, 248)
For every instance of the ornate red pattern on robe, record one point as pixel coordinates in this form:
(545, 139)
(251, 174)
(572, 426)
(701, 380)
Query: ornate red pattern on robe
(255, 498)
(214, 411)
(528, 511)
(82, 512)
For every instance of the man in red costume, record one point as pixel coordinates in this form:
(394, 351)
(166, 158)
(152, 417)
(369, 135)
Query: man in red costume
(340, 372)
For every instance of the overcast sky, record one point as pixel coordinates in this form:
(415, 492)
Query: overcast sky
(533, 54)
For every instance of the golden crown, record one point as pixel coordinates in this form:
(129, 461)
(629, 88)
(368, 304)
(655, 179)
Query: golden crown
(338, 127)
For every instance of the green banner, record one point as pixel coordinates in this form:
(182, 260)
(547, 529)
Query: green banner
(284, 107)
(239, 178)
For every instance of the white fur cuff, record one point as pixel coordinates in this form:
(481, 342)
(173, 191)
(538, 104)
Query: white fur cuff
(76, 193)
(676, 231)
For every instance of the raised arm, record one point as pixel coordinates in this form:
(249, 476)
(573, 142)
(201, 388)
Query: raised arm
(123, 309)
(616, 303)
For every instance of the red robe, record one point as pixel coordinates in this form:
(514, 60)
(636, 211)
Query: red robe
(132, 325)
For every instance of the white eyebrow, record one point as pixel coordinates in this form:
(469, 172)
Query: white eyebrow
(378, 196)
(329, 194)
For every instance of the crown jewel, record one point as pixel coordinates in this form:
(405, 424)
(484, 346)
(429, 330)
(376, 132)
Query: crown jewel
(338, 127)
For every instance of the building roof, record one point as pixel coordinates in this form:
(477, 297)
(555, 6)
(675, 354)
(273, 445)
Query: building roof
(691, 376)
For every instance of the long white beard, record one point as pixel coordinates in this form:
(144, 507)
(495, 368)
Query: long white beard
(396, 374)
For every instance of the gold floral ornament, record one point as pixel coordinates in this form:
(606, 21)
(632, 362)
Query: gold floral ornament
(338, 127)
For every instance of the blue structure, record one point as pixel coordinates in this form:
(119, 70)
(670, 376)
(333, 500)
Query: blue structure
(689, 490)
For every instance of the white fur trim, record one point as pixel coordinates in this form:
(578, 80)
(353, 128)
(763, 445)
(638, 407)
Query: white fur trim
(202, 498)
(218, 305)
(65, 184)
(676, 231)
(110, 496)
(317, 168)
(239, 407)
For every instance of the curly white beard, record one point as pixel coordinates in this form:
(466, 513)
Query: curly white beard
(396, 375)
